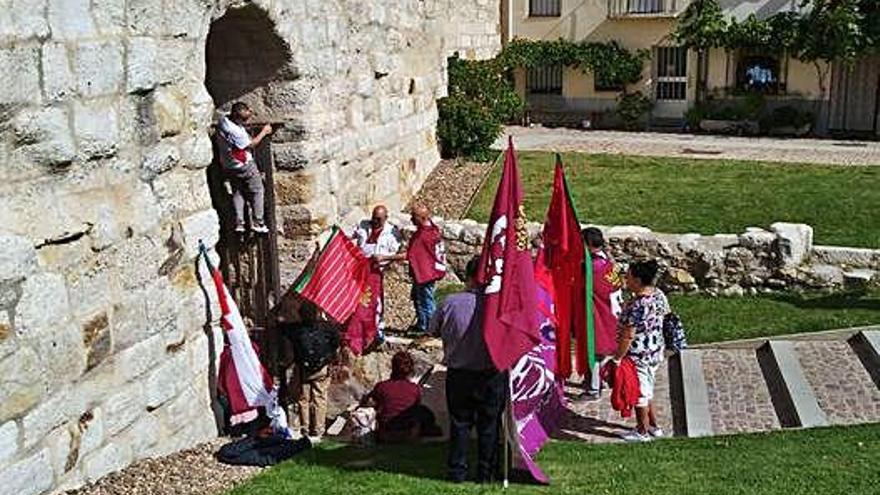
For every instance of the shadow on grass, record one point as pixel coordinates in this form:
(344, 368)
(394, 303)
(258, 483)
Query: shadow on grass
(862, 299)
(420, 460)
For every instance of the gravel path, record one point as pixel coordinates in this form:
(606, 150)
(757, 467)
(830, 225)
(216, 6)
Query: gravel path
(190, 472)
(450, 186)
(821, 151)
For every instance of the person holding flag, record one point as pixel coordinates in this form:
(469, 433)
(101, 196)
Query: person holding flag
(606, 301)
(380, 242)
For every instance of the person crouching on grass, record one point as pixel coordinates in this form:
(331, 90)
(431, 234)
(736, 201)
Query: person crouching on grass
(640, 337)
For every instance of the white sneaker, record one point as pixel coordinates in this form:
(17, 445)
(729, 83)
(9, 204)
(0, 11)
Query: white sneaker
(635, 436)
(656, 432)
(314, 440)
(260, 228)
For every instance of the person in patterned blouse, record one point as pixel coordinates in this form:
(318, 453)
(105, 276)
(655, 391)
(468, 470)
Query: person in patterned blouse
(640, 338)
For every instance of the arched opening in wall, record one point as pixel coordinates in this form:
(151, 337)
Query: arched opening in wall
(244, 55)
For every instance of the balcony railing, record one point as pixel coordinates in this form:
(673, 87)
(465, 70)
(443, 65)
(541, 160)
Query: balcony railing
(646, 8)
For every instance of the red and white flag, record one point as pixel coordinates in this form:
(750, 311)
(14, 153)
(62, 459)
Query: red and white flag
(242, 378)
(336, 280)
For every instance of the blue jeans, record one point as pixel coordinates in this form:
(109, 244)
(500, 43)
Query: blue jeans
(423, 300)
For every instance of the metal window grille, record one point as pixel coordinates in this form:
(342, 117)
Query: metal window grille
(545, 8)
(545, 79)
(645, 6)
(671, 73)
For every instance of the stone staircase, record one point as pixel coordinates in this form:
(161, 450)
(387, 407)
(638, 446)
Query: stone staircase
(799, 381)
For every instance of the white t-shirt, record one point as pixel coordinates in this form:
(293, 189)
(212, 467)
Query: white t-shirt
(388, 243)
(235, 139)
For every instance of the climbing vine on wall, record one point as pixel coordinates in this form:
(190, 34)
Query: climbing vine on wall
(611, 64)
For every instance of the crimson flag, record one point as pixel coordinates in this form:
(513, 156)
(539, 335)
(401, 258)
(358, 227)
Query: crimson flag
(565, 260)
(510, 322)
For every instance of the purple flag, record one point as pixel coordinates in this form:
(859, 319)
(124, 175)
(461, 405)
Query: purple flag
(537, 399)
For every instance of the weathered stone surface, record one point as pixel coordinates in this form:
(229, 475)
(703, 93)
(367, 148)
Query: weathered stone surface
(827, 275)
(70, 19)
(65, 405)
(849, 257)
(8, 440)
(109, 16)
(169, 106)
(28, 476)
(123, 408)
(97, 129)
(18, 258)
(859, 279)
(24, 63)
(159, 159)
(99, 68)
(203, 226)
(795, 241)
(63, 448)
(142, 72)
(20, 384)
(44, 136)
(111, 458)
(58, 80)
(26, 19)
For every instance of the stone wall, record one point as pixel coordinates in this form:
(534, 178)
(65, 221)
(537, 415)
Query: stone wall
(104, 117)
(756, 260)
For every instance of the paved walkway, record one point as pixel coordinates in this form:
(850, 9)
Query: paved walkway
(825, 151)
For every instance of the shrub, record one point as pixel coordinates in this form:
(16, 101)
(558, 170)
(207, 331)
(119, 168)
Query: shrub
(787, 116)
(481, 99)
(632, 108)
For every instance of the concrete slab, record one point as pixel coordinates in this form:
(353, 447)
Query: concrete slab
(698, 420)
(797, 391)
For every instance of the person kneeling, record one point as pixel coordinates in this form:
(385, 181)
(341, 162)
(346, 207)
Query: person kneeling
(400, 415)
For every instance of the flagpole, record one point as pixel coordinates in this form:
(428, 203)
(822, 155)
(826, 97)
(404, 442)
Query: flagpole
(506, 482)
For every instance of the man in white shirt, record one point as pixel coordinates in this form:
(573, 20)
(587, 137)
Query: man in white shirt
(238, 162)
(380, 241)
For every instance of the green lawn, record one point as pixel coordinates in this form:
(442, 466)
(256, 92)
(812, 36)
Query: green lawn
(713, 319)
(705, 196)
(820, 461)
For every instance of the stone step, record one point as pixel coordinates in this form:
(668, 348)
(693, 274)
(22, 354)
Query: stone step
(697, 419)
(866, 345)
(739, 401)
(843, 387)
(792, 395)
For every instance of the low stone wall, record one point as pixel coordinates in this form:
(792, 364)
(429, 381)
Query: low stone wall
(756, 260)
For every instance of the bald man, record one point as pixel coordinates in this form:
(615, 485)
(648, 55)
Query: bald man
(426, 254)
(380, 241)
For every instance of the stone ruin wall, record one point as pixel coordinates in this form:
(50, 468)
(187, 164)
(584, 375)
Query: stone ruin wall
(103, 195)
(755, 261)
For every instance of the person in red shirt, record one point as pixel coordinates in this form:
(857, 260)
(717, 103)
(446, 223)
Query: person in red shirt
(427, 264)
(607, 284)
(399, 412)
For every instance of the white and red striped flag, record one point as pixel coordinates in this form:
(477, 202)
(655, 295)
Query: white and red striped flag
(242, 378)
(336, 279)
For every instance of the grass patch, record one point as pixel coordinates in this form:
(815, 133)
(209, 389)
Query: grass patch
(704, 196)
(714, 319)
(829, 460)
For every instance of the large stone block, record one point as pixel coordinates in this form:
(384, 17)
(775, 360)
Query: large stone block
(159, 159)
(169, 107)
(196, 151)
(44, 136)
(143, 435)
(203, 226)
(97, 129)
(294, 188)
(91, 428)
(138, 359)
(26, 19)
(21, 386)
(18, 258)
(65, 405)
(29, 476)
(123, 408)
(62, 446)
(795, 242)
(181, 192)
(166, 381)
(58, 80)
(70, 19)
(8, 441)
(99, 68)
(186, 18)
(109, 459)
(20, 80)
(142, 73)
(145, 17)
(109, 16)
